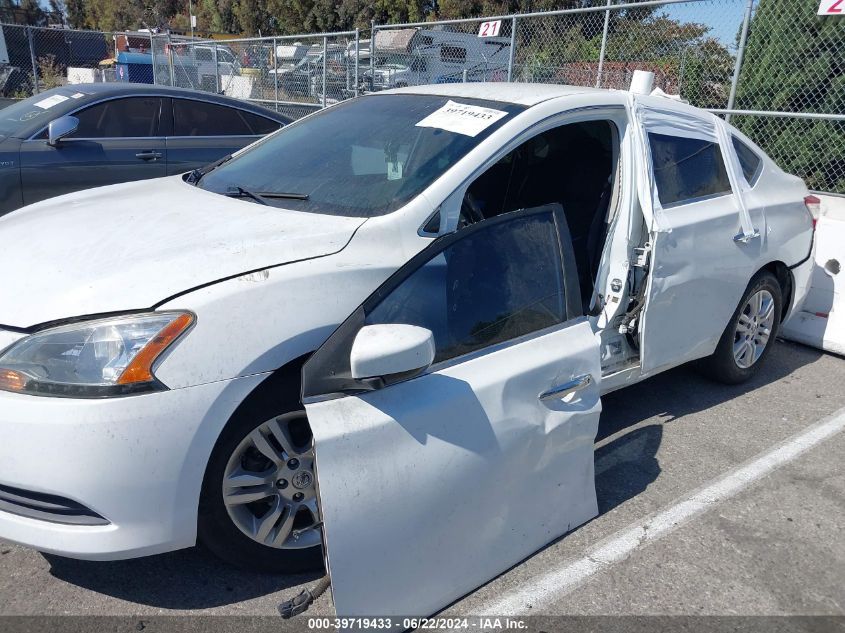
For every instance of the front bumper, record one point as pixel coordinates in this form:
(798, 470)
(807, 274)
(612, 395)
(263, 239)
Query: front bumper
(137, 462)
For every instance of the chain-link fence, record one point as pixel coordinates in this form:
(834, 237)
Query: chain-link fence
(772, 66)
(291, 74)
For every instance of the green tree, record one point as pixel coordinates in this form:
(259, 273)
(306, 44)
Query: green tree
(795, 62)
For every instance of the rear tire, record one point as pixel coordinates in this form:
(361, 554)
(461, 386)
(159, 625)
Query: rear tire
(223, 528)
(749, 335)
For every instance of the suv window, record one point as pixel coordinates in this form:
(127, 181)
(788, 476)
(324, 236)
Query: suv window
(453, 54)
(502, 280)
(748, 159)
(687, 169)
(199, 118)
(131, 117)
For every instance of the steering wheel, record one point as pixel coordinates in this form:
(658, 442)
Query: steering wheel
(470, 211)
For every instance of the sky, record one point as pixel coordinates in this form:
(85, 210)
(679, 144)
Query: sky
(724, 17)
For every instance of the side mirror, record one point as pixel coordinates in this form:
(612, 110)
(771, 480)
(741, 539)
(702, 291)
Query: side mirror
(391, 350)
(60, 128)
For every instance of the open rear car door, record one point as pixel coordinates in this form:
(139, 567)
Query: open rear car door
(454, 415)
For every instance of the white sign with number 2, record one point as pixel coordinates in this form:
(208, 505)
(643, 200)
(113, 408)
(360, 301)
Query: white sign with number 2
(832, 7)
(490, 29)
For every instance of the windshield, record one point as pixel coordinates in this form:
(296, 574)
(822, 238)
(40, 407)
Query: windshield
(36, 108)
(364, 157)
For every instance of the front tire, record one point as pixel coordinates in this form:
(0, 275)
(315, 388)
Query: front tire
(749, 335)
(258, 503)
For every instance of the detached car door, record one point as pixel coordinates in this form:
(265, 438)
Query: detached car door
(116, 141)
(204, 132)
(705, 249)
(434, 481)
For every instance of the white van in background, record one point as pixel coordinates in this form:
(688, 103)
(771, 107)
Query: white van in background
(412, 57)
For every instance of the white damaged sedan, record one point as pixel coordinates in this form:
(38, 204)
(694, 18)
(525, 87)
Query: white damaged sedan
(427, 290)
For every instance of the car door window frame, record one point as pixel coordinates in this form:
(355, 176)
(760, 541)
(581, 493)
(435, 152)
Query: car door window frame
(449, 208)
(156, 135)
(328, 372)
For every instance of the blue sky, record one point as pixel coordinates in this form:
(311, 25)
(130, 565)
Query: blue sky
(724, 17)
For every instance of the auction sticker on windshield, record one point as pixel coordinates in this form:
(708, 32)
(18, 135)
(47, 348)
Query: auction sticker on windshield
(49, 102)
(462, 118)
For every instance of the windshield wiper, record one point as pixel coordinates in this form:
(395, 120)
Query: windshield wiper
(284, 195)
(240, 192)
(195, 175)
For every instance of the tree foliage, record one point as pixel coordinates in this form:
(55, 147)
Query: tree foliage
(795, 62)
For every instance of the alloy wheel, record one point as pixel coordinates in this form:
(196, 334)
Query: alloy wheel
(269, 485)
(754, 328)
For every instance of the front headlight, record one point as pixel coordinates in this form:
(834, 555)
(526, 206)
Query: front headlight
(92, 359)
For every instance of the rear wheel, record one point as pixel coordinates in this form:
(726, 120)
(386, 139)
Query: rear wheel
(748, 337)
(258, 508)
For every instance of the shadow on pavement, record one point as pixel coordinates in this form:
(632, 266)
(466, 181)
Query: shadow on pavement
(187, 579)
(628, 438)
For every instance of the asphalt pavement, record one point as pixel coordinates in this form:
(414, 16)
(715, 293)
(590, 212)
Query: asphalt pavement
(714, 500)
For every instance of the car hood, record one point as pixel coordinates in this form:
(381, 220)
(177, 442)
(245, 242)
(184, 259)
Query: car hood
(130, 246)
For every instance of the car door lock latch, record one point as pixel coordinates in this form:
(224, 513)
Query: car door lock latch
(642, 255)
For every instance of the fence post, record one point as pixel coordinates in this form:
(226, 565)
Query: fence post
(739, 55)
(603, 44)
(216, 70)
(153, 58)
(325, 66)
(170, 59)
(372, 56)
(357, 59)
(32, 60)
(512, 51)
(276, 73)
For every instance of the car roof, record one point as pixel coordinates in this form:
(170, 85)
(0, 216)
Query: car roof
(84, 94)
(526, 94)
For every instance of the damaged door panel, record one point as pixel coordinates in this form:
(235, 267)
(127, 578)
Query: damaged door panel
(704, 248)
(454, 416)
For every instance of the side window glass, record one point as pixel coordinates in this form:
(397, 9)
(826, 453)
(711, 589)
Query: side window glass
(199, 118)
(496, 283)
(119, 118)
(453, 54)
(748, 159)
(260, 125)
(687, 169)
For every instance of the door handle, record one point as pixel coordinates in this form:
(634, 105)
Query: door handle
(148, 155)
(742, 238)
(567, 388)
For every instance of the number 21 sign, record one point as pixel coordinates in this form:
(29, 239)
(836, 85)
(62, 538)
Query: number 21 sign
(491, 29)
(832, 7)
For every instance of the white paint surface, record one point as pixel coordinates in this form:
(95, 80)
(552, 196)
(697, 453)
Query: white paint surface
(553, 585)
(821, 319)
(462, 469)
(832, 7)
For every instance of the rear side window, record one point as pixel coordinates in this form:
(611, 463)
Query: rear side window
(749, 160)
(453, 54)
(687, 169)
(260, 124)
(199, 118)
(133, 117)
(497, 283)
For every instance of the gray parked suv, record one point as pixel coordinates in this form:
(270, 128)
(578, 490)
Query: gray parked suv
(83, 136)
